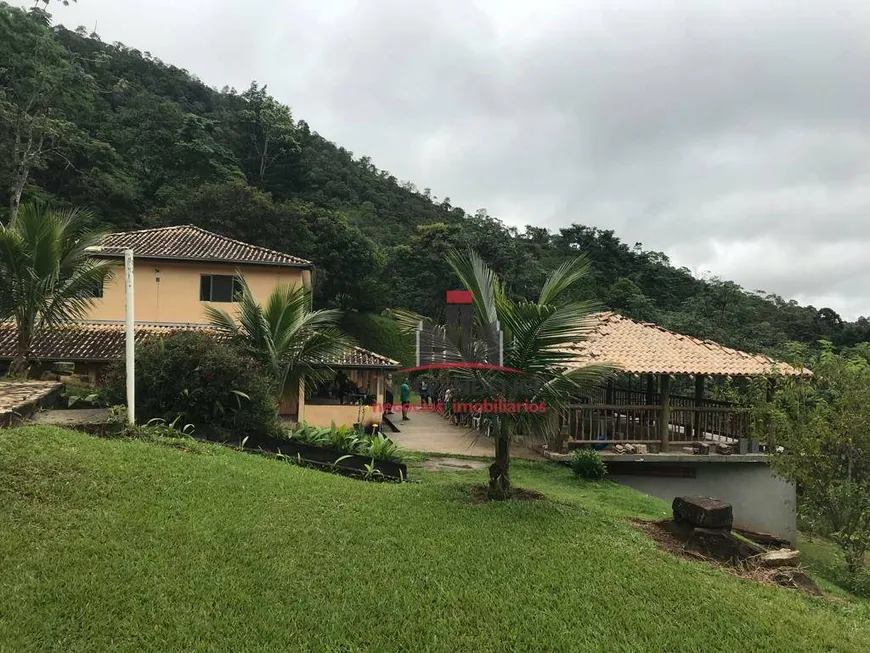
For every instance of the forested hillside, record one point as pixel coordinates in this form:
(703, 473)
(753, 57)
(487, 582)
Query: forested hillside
(144, 143)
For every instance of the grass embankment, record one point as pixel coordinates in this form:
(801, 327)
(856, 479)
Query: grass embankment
(132, 546)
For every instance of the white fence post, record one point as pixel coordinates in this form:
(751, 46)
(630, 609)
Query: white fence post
(130, 343)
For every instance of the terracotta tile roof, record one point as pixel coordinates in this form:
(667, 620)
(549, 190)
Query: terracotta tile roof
(104, 342)
(85, 341)
(359, 357)
(645, 348)
(191, 243)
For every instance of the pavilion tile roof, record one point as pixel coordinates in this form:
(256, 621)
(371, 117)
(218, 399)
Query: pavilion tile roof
(359, 357)
(104, 342)
(190, 243)
(646, 348)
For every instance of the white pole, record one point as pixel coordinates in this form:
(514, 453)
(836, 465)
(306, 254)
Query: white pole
(130, 338)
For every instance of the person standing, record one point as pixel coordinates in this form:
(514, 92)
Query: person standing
(388, 395)
(424, 393)
(405, 396)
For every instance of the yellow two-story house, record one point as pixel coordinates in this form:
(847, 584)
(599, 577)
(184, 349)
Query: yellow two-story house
(177, 272)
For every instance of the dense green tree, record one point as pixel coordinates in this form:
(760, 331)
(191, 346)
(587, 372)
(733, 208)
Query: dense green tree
(39, 80)
(237, 210)
(823, 444)
(626, 297)
(268, 130)
(139, 141)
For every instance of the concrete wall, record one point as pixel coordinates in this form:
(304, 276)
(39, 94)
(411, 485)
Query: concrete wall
(761, 501)
(324, 415)
(175, 297)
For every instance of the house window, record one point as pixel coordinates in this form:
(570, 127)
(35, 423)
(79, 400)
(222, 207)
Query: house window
(219, 288)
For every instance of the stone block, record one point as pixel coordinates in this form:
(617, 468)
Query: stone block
(779, 558)
(705, 512)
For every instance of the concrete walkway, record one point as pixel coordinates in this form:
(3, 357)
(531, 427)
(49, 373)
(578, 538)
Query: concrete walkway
(430, 433)
(77, 417)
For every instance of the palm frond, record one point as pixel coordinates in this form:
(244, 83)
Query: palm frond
(562, 278)
(290, 338)
(542, 334)
(220, 320)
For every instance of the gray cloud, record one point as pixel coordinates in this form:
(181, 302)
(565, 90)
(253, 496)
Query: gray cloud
(734, 137)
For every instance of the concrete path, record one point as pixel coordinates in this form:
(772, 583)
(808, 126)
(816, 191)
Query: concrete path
(430, 433)
(76, 417)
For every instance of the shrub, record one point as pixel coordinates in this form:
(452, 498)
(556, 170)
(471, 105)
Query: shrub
(315, 436)
(193, 378)
(587, 463)
(380, 447)
(823, 445)
(347, 439)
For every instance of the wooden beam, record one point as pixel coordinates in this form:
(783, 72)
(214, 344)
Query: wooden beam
(650, 388)
(650, 396)
(699, 402)
(665, 415)
(609, 416)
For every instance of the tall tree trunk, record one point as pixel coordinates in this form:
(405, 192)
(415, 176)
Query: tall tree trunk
(24, 157)
(20, 364)
(264, 159)
(17, 190)
(499, 471)
(854, 556)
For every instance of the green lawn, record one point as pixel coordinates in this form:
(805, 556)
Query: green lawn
(134, 546)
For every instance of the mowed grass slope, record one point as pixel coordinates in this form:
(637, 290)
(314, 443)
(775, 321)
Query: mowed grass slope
(134, 546)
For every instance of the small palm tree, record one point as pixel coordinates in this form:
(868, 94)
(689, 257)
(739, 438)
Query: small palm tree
(286, 335)
(538, 364)
(46, 274)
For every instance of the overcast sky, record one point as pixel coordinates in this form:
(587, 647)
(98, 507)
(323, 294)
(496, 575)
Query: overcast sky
(732, 135)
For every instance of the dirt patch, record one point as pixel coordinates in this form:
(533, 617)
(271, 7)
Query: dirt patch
(453, 464)
(479, 493)
(672, 538)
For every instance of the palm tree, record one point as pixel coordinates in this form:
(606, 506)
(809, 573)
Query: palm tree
(537, 361)
(289, 338)
(46, 274)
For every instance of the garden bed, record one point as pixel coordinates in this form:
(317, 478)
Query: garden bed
(325, 457)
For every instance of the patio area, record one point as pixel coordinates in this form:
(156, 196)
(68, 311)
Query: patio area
(430, 433)
(20, 399)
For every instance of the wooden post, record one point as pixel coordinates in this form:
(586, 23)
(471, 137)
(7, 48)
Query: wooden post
(650, 399)
(665, 418)
(379, 391)
(610, 416)
(699, 403)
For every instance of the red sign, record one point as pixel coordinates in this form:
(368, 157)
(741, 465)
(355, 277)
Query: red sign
(460, 297)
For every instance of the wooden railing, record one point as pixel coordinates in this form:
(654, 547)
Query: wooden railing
(641, 422)
(637, 397)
